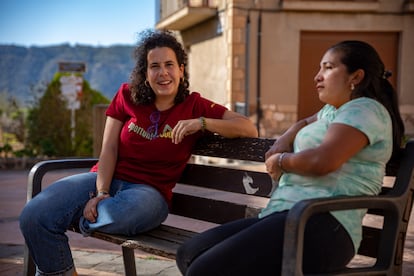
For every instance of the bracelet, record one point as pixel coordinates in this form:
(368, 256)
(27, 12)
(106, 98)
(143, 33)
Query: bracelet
(98, 194)
(280, 160)
(101, 193)
(203, 123)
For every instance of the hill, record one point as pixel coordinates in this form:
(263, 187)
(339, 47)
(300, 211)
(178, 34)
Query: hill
(25, 67)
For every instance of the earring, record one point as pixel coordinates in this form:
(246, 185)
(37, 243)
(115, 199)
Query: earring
(352, 86)
(146, 83)
(182, 80)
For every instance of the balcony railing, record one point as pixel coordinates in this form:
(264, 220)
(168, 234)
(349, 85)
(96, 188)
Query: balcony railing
(182, 14)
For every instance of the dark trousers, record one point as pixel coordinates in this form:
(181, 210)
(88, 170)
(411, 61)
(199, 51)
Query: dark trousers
(254, 246)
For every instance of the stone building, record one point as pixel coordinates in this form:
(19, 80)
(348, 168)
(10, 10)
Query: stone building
(259, 57)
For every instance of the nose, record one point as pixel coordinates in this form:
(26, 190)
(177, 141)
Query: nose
(317, 78)
(163, 70)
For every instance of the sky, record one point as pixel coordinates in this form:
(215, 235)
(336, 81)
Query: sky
(86, 22)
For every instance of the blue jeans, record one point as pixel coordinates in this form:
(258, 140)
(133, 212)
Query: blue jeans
(131, 209)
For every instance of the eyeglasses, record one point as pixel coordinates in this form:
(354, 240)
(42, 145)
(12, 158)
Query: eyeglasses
(153, 129)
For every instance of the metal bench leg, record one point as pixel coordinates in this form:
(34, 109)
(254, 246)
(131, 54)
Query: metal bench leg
(129, 261)
(29, 266)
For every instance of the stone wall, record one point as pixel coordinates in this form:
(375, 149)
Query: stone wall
(276, 119)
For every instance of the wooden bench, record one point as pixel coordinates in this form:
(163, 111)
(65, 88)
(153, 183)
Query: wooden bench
(200, 201)
(218, 192)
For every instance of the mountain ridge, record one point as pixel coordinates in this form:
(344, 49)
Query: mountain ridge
(23, 68)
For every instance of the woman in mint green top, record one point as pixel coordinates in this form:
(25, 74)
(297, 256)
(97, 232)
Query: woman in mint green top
(341, 150)
(361, 174)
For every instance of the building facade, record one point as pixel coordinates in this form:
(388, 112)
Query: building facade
(259, 57)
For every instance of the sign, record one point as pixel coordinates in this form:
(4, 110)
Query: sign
(71, 89)
(69, 66)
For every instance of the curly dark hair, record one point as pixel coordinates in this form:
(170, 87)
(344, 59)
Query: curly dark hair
(150, 39)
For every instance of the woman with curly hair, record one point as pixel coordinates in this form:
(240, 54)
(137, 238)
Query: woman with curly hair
(151, 127)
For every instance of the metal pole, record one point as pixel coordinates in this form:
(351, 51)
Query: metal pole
(247, 80)
(72, 126)
(258, 99)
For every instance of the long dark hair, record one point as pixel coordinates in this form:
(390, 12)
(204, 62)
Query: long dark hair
(150, 39)
(360, 55)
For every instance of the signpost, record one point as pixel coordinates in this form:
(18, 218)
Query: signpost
(71, 89)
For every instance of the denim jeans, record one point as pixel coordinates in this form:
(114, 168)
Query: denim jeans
(131, 209)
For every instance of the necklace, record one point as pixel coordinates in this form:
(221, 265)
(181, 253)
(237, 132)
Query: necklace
(153, 129)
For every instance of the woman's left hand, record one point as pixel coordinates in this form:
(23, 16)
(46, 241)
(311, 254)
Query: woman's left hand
(184, 128)
(90, 212)
(272, 166)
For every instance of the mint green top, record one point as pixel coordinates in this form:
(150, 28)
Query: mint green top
(360, 175)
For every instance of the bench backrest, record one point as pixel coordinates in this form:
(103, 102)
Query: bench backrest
(240, 189)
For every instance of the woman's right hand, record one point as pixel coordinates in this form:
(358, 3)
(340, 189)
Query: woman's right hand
(90, 212)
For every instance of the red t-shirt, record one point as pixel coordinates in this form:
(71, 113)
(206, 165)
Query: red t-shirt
(149, 158)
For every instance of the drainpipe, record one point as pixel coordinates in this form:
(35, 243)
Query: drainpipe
(247, 75)
(258, 98)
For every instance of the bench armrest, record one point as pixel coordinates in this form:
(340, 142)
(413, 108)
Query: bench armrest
(303, 210)
(34, 183)
(395, 204)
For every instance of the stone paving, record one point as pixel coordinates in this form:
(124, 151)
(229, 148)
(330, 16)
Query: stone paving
(92, 256)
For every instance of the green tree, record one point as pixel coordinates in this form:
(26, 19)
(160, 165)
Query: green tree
(12, 122)
(49, 121)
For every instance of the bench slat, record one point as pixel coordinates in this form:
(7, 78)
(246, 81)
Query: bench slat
(207, 209)
(162, 241)
(228, 179)
(249, 149)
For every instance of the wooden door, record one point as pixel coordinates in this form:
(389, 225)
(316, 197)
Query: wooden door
(313, 46)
